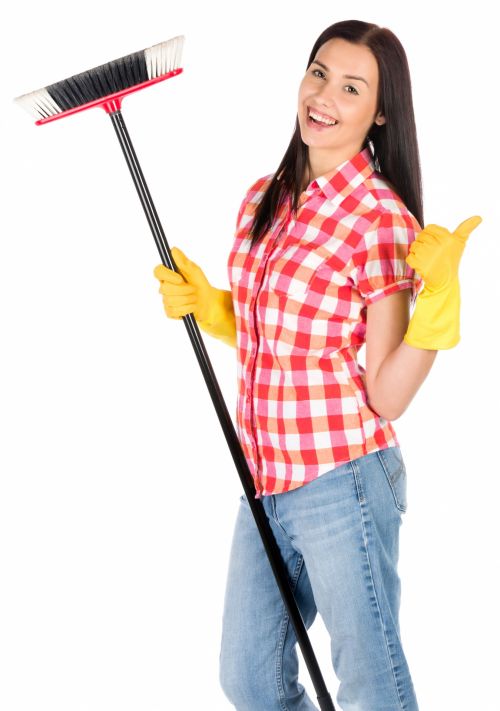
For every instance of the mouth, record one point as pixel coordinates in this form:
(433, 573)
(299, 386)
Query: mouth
(319, 120)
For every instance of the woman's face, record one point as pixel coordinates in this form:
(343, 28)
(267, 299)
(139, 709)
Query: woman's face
(351, 101)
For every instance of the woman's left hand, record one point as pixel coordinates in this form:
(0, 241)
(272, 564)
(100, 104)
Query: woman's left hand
(435, 253)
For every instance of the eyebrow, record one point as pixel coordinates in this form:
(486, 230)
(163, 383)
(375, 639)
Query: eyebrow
(346, 76)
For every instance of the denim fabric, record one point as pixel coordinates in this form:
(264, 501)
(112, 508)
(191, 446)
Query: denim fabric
(339, 538)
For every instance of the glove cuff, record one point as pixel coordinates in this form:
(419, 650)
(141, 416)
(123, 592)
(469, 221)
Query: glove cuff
(435, 323)
(221, 322)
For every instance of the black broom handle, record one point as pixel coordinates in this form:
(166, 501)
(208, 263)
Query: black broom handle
(270, 545)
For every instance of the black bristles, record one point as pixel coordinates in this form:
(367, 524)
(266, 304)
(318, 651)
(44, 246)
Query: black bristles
(99, 82)
(115, 79)
(115, 73)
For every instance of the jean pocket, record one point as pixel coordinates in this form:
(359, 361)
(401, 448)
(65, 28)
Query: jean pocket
(395, 472)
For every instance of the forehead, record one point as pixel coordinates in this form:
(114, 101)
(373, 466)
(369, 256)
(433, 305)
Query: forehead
(341, 56)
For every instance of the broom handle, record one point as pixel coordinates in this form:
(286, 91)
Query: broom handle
(270, 545)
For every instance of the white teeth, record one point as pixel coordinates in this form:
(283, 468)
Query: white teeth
(320, 118)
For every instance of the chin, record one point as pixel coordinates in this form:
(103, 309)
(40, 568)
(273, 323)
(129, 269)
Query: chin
(306, 136)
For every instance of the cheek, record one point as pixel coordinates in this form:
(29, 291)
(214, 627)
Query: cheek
(304, 91)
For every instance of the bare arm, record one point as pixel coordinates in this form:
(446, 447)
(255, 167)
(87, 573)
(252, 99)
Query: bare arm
(394, 370)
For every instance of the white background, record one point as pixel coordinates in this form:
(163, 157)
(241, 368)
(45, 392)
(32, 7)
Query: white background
(118, 492)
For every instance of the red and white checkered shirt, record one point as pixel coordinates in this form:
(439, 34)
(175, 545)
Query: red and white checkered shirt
(300, 305)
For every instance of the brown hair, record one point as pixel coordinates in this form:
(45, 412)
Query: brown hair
(393, 145)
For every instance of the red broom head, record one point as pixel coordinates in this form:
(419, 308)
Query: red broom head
(107, 84)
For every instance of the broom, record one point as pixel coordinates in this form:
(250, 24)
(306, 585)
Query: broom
(105, 86)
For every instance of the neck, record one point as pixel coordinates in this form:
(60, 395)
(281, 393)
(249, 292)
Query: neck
(320, 162)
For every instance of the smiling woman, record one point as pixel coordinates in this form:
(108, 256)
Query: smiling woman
(324, 261)
(319, 244)
(328, 101)
(358, 74)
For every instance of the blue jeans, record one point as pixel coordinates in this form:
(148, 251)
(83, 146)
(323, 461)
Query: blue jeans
(339, 538)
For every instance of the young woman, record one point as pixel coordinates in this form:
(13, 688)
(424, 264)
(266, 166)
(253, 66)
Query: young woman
(326, 258)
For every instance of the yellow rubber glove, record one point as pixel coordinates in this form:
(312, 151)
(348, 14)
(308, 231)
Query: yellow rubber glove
(435, 254)
(211, 307)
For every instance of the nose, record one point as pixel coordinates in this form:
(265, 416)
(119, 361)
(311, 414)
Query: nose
(324, 95)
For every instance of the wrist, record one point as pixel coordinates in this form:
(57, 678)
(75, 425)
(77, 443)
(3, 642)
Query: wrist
(221, 322)
(435, 323)
(218, 304)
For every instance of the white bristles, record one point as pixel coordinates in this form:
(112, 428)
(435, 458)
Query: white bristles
(160, 59)
(39, 104)
(164, 57)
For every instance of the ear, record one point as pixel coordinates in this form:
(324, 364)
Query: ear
(380, 119)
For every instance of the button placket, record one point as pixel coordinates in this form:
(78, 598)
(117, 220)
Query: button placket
(253, 325)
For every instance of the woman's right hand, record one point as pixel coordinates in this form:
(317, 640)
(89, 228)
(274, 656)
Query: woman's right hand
(211, 307)
(184, 296)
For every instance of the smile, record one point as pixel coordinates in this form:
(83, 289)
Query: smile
(321, 118)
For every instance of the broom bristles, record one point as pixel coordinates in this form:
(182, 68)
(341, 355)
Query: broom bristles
(105, 80)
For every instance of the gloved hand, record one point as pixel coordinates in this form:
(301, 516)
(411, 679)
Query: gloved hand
(211, 307)
(435, 254)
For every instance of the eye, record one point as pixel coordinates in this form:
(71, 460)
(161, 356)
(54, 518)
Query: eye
(317, 72)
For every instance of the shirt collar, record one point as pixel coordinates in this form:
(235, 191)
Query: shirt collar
(343, 179)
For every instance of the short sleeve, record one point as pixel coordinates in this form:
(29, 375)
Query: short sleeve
(379, 260)
(244, 220)
(243, 205)
(249, 203)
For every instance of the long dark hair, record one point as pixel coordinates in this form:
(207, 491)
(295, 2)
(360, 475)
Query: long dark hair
(393, 145)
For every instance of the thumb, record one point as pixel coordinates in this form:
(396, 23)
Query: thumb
(190, 270)
(465, 228)
(179, 257)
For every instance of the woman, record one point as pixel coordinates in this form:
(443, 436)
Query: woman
(325, 260)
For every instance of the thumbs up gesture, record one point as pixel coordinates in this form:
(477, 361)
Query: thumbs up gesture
(435, 254)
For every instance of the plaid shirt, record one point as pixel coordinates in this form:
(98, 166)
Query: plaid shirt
(300, 306)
